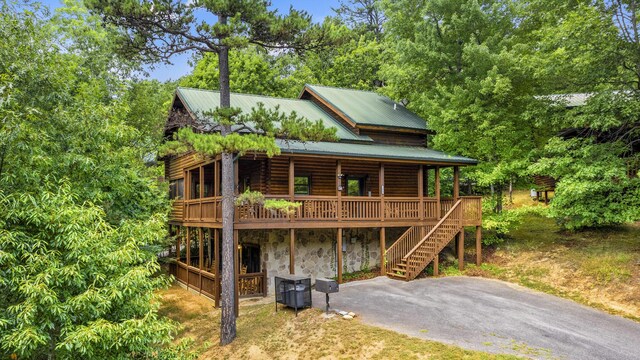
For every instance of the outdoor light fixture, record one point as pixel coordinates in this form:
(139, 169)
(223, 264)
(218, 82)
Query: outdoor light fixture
(340, 177)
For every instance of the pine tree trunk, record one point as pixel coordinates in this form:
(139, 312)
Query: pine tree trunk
(227, 303)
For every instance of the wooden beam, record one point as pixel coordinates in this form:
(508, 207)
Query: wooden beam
(381, 191)
(216, 180)
(383, 248)
(216, 256)
(236, 177)
(188, 253)
(478, 245)
(292, 251)
(338, 189)
(200, 252)
(201, 188)
(461, 250)
(421, 192)
(291, 178)
(339, 250)
(178, 236)
(436, 265)
(236, 272)
(456, 183)
(437, 190)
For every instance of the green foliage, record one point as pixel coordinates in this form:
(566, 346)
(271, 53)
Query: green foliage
(285, 207)
(593, 188)
(252, 71)
(83, 216)
(497, 226)
(249, 198)
(72, 284)
(455, 64)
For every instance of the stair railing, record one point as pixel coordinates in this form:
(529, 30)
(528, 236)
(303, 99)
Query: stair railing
(394, 254)
(441, 234)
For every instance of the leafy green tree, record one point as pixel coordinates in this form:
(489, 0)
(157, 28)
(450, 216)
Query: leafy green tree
(251, 71)
(83, 217)
(156, 30)
(593, 48)
(454, 63)
(74, 285)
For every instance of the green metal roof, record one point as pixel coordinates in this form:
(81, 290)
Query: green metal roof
(351, 145)
(200, 101)
(369, 108)
(378, 151)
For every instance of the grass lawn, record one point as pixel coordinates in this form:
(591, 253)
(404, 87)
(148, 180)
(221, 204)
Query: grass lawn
(599, 268)
(265, 334)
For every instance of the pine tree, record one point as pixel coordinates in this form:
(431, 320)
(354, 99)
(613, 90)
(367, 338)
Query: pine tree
(155, 30)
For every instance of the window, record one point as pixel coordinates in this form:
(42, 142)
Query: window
(302, 185)
(176, 189)
(355, 185)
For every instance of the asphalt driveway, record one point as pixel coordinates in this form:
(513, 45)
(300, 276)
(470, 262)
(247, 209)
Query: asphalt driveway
(491, 316)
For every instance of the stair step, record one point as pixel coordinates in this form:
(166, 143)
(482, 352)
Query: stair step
(398, 270)
(396, 276)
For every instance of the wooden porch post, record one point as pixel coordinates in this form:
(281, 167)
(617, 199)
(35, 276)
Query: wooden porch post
(178, 235)
(216, 256)
(188, 253)
(292, 250)
(200, 254)
(436, 265)
(338, 191)
(421, 192)
(383, 248)
(461, 249)
(291, 178)
(236, 272)
(478, 245)
(437, 190)
(216, 185)
(339, 249)
(456, 183)
(381, 191)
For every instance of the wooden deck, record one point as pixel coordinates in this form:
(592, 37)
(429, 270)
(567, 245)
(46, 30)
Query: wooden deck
(326, 211)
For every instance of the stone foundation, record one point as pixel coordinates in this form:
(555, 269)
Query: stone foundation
(315, 251)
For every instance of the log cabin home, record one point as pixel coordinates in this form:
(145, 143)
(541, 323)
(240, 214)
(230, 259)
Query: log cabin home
(378, 198)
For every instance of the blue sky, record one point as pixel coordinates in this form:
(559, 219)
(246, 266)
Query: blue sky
(318, 9)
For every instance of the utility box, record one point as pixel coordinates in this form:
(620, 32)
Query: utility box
(326, 286)
(293, 291)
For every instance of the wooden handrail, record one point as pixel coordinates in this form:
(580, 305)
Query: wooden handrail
(435, 228)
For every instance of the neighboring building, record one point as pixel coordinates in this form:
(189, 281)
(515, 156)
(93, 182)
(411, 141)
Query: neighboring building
(543, 183)
(370, 200)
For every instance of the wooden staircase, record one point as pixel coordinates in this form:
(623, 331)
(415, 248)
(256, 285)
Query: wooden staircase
(419, 245)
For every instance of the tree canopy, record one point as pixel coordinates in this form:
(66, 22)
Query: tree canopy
(83, 216)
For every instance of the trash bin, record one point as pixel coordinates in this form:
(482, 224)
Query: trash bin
(296, 298)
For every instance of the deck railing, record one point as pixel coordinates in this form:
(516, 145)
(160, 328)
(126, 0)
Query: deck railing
(254, 284)
(249, 285)
(325, 208)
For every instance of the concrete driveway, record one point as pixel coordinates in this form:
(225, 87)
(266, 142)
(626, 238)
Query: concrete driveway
(489, 315)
